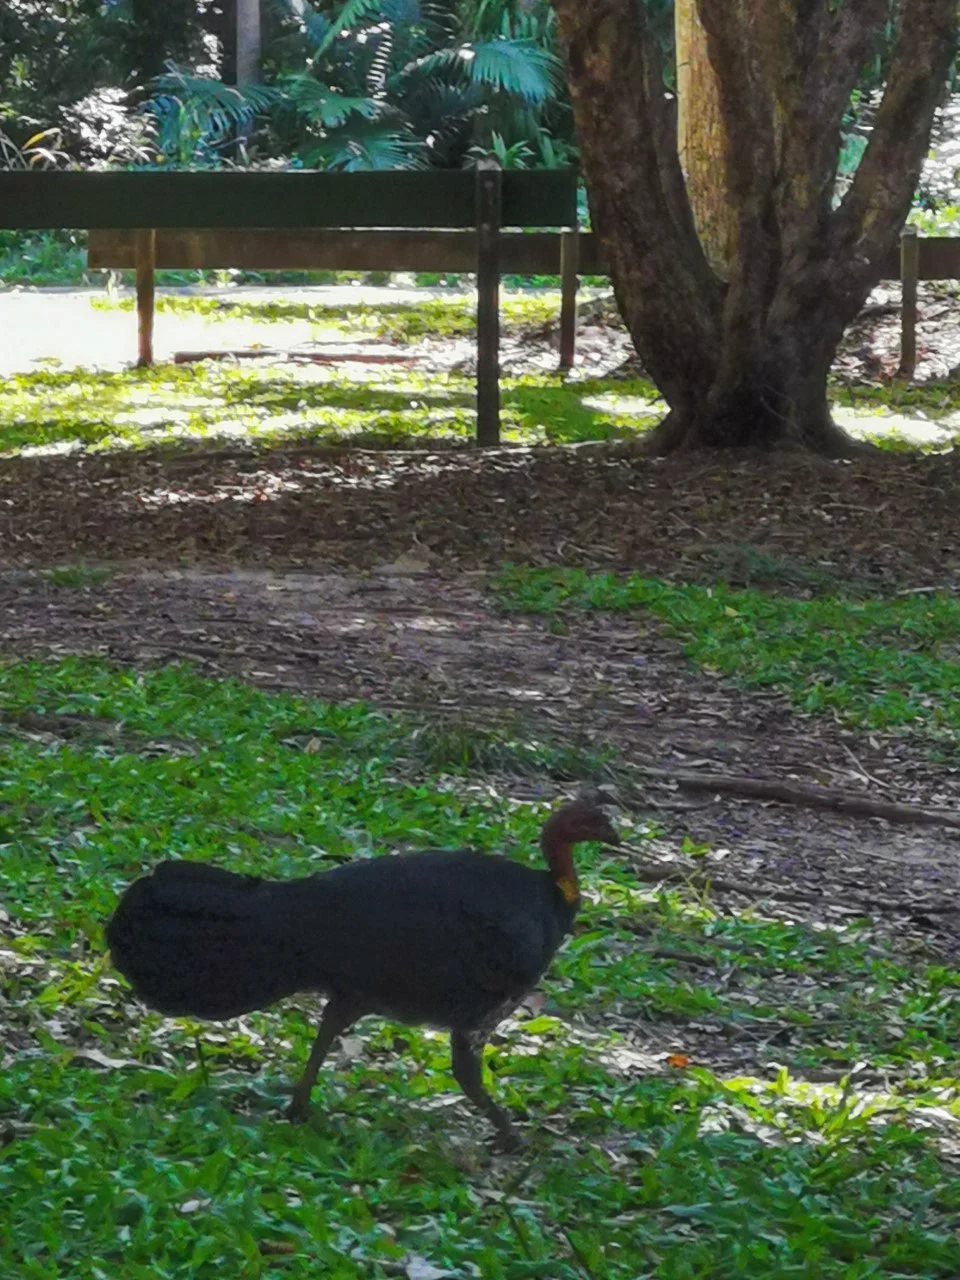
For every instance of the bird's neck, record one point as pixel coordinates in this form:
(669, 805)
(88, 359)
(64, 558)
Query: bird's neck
(559, 858)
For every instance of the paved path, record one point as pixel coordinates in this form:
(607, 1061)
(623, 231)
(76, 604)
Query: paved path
(60, 327)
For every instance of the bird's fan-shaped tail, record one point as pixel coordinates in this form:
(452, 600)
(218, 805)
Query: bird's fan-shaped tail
(195, 940)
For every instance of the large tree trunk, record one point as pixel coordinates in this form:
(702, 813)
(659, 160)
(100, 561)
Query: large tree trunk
(745, 361)
(701, 138)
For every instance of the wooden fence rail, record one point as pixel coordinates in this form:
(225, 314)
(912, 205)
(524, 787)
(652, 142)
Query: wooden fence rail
(568, 254)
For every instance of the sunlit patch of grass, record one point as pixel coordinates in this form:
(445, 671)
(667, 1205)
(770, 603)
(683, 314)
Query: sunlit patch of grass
(366, 405)
(932, 399)
(566, 414)
(926, 424)
(124, 1152)
(283, 403)
(399, 322)
(893, 440)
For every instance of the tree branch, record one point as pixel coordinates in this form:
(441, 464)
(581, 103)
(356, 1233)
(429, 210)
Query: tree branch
(829, 47)
(812, 797)
(843, 39)
(866, 225)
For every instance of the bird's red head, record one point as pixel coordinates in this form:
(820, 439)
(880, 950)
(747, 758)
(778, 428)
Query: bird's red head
(571, 824)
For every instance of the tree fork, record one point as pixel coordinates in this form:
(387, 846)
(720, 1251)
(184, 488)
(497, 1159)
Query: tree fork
(747, 363)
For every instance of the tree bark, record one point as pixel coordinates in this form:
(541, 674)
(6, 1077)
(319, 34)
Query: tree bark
(248, 42)
(744, 362)
(701, 139)
(670, 299)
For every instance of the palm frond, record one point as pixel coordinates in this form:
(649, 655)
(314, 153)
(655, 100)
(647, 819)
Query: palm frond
(365, 147)
(518, 68)
(318, 104)
(204, 94)
(443, 116)
(350, 16)
(440, 65)
(402, 13)
(197, 117)
(517, 156)
(314, 24)
(380, 65)
(510, 18)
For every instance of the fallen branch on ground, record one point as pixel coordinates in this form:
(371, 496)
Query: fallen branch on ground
(260, 353)
(693, 880)
(805, 794)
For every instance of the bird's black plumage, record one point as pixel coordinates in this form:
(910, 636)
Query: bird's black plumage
(447, 939)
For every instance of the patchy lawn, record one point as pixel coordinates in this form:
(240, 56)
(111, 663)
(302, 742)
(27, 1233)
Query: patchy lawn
(707, 1091)
(298, 402)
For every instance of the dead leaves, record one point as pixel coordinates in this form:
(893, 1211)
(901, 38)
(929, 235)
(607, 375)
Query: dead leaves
(408, 512)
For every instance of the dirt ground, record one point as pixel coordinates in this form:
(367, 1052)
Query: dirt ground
(889, 522)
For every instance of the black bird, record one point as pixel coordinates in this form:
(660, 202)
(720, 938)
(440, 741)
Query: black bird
(452, 940)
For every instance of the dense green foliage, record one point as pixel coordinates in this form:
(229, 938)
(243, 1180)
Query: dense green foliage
(347, 83)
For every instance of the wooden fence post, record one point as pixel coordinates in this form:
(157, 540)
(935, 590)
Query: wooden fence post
(489, 203)
(909, 275)
(569, 252)
(146, 264)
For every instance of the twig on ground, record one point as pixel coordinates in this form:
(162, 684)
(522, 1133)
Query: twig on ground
(663, 875)
(805, 794)
(858, 765)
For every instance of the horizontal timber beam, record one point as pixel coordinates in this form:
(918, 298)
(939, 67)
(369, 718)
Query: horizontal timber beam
(145, 199)
(521, 253)
(306, 249)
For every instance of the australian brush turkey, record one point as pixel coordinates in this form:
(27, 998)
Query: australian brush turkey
(445, 939)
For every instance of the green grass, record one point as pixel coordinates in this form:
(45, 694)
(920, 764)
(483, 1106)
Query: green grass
(888, 663)
(400, 322)
(75, 576)
(176, 404)
(374, 406)
(930, 399)
(123, 1153)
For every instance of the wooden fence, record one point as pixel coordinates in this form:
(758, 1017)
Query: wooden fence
(566, 254)
(257, 212)
(443, 221)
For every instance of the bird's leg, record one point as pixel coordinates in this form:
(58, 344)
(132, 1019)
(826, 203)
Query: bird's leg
(338, 1014)
(467, 1071)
